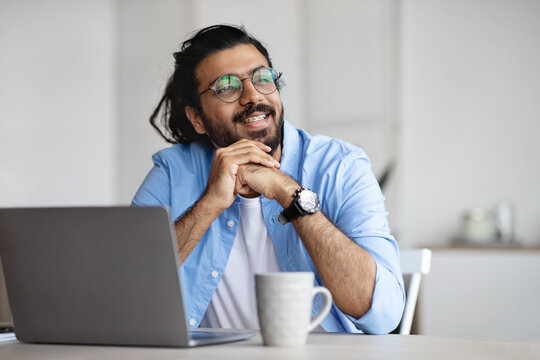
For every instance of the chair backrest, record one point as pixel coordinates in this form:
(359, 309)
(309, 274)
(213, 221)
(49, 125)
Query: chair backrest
(413, 262)
(5, 312)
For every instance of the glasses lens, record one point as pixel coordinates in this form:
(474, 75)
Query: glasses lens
(264, 80)
(228, 88)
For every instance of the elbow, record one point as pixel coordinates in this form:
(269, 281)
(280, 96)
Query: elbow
(385, 321)
(387, 306)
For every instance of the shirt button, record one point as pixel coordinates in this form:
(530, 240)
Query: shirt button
(230, 223)
(192, 322)
(215, 274)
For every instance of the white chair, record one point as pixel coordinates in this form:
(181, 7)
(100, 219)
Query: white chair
(413, 262)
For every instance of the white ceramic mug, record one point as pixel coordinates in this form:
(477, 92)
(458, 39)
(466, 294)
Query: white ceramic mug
(284, 303)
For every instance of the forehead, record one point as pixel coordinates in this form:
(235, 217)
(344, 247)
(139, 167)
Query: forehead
(240, 59)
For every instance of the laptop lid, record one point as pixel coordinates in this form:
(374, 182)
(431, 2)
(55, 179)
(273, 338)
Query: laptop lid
(97, 275)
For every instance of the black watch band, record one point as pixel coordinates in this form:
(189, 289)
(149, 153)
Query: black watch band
(290, 213)
(305, 201)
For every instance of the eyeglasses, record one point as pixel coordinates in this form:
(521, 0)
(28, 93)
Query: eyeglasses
(229, 88)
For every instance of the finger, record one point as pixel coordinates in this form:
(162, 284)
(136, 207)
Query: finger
(247, 153)
(246, 144)
(258, 144)
(247, 192)
(244, 189)
(242, 158)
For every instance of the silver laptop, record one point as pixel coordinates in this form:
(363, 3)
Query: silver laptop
(98, 275)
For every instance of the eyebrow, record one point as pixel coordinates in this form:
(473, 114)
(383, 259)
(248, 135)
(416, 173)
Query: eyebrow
(251, 71)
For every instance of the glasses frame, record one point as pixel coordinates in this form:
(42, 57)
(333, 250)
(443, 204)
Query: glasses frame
(213, 88)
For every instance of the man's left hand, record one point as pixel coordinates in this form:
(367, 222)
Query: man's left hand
(253, 179)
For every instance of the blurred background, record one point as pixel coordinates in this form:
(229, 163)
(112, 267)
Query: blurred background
(444, 96)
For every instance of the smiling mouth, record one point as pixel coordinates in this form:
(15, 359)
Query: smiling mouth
(254, 118)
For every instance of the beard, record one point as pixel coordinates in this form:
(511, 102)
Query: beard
(222, 135)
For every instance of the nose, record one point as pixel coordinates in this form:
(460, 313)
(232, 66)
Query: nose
(250, 95)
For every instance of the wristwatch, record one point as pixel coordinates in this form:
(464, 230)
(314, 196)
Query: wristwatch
(305, 202)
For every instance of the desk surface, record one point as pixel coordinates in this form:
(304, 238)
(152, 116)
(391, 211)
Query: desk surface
(319, 346)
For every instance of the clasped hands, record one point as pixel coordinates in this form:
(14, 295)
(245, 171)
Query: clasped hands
(247, 168)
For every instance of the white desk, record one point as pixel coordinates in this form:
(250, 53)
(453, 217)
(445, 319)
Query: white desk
(319, 346)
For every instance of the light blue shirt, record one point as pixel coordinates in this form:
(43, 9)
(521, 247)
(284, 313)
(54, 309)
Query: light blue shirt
(338, 172)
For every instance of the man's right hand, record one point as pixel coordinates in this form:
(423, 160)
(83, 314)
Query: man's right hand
(220, 190)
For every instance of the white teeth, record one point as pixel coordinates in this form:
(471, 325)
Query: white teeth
(252, 119)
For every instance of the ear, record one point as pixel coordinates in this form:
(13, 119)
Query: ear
(195, 118)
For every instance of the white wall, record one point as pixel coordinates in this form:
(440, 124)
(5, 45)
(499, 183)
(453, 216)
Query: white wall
(149, 32)
(470, 107)
(58, 102)
(351, 58)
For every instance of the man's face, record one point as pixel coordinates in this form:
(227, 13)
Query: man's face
(253, 116)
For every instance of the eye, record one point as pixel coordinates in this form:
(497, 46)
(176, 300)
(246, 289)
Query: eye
(228, 84)
(263, 75)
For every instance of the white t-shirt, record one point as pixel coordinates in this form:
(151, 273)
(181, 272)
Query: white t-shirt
(234, 304)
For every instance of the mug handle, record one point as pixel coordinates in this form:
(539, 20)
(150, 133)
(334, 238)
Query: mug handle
(325, 308)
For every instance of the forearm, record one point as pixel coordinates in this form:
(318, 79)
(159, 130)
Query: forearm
(346, 269)
(191, 227)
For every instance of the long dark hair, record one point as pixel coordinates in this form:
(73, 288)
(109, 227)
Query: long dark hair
(169, 118)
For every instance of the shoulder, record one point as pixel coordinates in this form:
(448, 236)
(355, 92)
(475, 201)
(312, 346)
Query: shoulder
(178, 175)
(329, 152)
(332, 167)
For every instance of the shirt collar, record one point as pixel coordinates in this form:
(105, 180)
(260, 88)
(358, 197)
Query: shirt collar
(290, 151)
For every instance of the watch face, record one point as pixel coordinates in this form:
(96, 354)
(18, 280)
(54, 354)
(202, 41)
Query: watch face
(309, 201)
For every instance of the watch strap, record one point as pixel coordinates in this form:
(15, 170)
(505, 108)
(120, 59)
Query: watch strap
(290, 213)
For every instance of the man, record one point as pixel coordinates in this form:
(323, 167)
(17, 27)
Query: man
(237, 183)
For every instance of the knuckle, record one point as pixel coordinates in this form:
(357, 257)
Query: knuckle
(255, 147)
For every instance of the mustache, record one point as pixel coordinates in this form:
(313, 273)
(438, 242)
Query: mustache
(255, 108)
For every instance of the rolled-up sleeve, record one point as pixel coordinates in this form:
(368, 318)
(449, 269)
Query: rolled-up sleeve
(386, 307)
